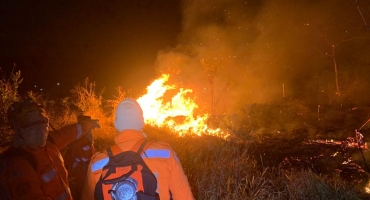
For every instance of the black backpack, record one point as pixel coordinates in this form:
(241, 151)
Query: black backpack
(126, 176)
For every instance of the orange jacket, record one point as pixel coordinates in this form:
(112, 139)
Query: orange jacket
(76, 161)
(42, 176)
(161, 159)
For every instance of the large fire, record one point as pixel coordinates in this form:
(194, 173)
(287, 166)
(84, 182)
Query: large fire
(157, 112)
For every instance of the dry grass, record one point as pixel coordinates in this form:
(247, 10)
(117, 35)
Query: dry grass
(216, 168)
(308, 185)
(220, 169)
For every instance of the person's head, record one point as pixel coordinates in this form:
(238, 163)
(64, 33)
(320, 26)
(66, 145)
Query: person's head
(129, 116)
(30, 123)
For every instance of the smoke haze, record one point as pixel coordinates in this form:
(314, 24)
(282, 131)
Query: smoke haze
(234, 53)
(230, 52)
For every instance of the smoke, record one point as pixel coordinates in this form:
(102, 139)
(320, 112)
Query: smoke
(233, 53)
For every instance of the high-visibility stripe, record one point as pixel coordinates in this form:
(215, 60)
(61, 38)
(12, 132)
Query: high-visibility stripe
(99, 164)
(85, 148)
(149, 153)
(62, 196)
(49, 175)
(79, 131)
(156, 153)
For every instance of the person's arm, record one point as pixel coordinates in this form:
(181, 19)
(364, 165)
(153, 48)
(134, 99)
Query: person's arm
(68, 134)
(179, 185)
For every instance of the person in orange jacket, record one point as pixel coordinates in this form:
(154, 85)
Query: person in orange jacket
(77, 158)
(33, 168)
(159, 156)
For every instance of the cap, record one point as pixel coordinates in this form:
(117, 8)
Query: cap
(25, 113)
(129, 115)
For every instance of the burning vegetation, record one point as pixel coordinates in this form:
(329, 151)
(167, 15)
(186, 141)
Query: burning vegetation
(260, 99)
(263, 151)
(178, 113)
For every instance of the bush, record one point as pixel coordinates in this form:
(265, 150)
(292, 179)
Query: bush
(216, 168)
(9, 92)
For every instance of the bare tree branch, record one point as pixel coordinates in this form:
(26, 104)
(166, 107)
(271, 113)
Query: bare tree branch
(362, 16)
(325, 54)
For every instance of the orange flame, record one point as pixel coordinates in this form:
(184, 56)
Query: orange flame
(160, 113)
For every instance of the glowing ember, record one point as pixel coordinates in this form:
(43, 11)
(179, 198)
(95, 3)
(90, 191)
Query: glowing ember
(160, 113)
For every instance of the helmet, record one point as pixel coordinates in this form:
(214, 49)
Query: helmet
(26, 113)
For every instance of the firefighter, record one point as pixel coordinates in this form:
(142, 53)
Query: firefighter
(33, 168)
(159, 156)
(77, 158)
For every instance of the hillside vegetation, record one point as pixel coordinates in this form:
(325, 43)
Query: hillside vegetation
(270, 154)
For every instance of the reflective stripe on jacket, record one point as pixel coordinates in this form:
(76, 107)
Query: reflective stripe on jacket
(159, 157)
(19, 179)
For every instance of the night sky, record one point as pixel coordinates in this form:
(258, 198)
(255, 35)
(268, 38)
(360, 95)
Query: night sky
(230, 52)
(114, 43)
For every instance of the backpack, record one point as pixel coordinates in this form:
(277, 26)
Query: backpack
(126, 176)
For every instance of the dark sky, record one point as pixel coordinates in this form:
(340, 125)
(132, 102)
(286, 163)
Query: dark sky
(230, 52)
(114, 43)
